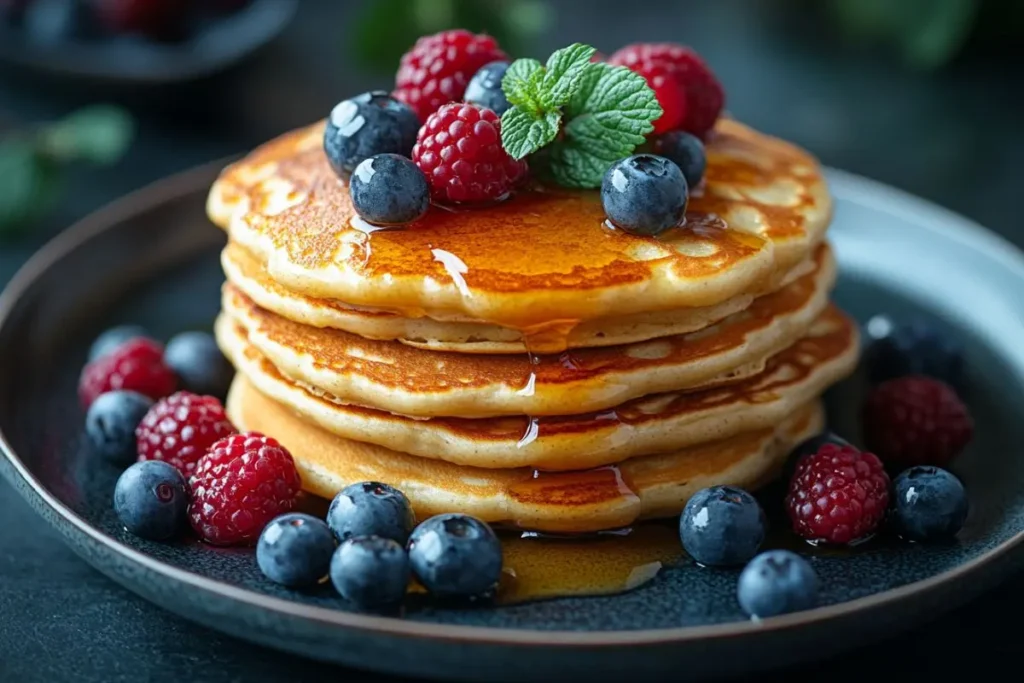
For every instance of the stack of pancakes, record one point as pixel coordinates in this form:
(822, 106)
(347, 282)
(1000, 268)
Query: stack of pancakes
(524, 362)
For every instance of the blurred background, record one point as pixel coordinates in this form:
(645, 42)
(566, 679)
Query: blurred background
(100, 97)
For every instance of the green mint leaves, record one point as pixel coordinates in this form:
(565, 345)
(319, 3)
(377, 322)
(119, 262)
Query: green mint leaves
(584, 115)
(537, 93)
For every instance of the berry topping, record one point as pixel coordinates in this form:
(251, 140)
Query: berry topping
(669, 92)
(114, 337)
(722, 526)
(644, 194)
(244, 481)
(484, 88)
(810, 447)
(368, 124)
(111, 421)
(161, 19)
(371, 509)
(370, 571)
(181, 428)
(777, 582)
(705, 96)
(150, 499)
(388, 189)
(437, 69)
(295, 550)
(916, 420)
(459, 151)
(199, 364)
(929, 504)
(837, 495)
(915, 348)
(136, 365)
(687, 152)
(456, 556)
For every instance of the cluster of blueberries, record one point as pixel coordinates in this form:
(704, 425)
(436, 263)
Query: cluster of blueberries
(370, 546)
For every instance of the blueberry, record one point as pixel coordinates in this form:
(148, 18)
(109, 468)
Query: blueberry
(199, 364)
(722, 526)
(456, 556)
(686, 151)
(388, 189)
(485, 88)
(111, 421)
(114, 337)
(371, 509)
(644, 194)
(929, 504)
(151, 500)
(365, 125)
(51, 21)
(295, 550)
(810, 447)
(777, 582)
(914, 348)
(370, 571)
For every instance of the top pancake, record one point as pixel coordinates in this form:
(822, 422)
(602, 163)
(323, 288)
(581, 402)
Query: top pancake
(542, 257)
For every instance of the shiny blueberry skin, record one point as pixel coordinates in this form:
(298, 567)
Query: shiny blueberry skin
(295, 550)
(370, 571)
(456, 556)
(485, 88)
(365, 125)
(371, 509)
(199, 364)
(810, 447)
(388, 189)
(722, 526)
(114, 337)
(111, 421)
(686, 151)
(913, 348)
(644, 194)
(151, 499)
(929, 504)
(777, 582)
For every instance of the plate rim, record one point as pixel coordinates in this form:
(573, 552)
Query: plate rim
(852, 186)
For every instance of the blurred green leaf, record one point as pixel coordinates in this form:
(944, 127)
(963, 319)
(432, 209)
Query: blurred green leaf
(385, 29)
(99, 134)
(30, 183)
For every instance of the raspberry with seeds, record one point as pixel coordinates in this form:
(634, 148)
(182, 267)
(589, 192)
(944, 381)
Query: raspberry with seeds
(459, 151)
(180, 429)
(916, 420)
(136, 365)
(437, 69)
(837, 495)
(239, 486)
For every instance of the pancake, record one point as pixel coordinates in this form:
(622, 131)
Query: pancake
(593, 500)
(544, 257)
(396, 378)
(651, 424)
(464, 336)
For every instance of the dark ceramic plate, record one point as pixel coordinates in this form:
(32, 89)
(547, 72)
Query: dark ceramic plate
(213, 46)
(152, 258)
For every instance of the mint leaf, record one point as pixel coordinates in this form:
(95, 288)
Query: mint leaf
(610, 114)
(521, 84)
(100, 134)
(522, 133)
(30, 183)
(564, 70)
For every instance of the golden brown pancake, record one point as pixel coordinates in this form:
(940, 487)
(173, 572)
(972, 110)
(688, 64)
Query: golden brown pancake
(539, 259)
(592, 500)
(651, 424)
(400, 379)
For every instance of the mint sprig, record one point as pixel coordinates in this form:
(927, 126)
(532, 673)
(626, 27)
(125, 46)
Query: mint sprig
(585, 116)
(538, 93)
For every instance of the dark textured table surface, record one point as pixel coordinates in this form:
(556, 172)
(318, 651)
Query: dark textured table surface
(953, 137)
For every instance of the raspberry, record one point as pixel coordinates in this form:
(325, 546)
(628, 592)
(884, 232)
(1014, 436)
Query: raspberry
(136, 365)
(459, 150)
(242, 483)
(180, 429)
(916, 420)
(837, 495)
(669, 92)
(437, 69)
(705, 96)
